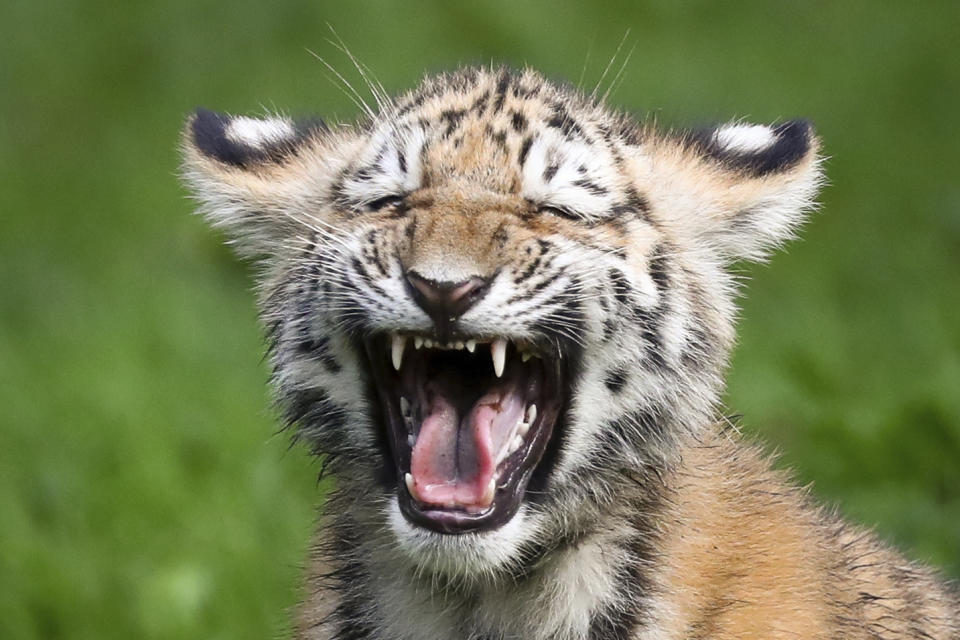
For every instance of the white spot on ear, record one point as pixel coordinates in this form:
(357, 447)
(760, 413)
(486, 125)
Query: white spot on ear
(254, 132)
(744, 138)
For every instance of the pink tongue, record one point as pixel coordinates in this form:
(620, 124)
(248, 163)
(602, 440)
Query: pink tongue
(454, 461)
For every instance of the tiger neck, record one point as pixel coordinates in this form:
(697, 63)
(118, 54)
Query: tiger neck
(586, 585)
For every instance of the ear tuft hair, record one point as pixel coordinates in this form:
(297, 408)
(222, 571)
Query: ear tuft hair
(245, 142)
(740, 189)
(756, 150)
(225, 163)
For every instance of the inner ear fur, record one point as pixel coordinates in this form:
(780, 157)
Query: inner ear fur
(740, 189)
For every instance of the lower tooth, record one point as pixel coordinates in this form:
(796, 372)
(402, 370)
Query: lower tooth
(404, 407)
(411, 440)
(408, 479)
(523, 428)
(531, 414)
(491, 489)
(517, 443)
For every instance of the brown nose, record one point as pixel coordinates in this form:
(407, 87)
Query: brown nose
(444, 302)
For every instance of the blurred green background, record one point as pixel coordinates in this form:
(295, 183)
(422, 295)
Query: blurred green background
(144, 492)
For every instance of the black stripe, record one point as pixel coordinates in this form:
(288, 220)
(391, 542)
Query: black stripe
(698, 347)
(549, 172)
(361, 271)
(616, 379)
(353, 611)
(590, 186)
(651, 321)
(530, 270)
(635, 204)
(501, 91)
(518, 122)
(313, 409)
(621, 288)
(659, 268)
(524, 150)
(537, 288)
(480, 104)
(561, 119)
(499, 137)
(412, 104)
(452, 118)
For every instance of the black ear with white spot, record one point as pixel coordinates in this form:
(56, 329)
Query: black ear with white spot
(754, 185)
(251, 175)
(245, 142)
(756, 149)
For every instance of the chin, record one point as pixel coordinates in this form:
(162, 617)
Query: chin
(472, 556)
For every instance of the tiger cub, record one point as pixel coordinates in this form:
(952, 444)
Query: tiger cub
(501, 312)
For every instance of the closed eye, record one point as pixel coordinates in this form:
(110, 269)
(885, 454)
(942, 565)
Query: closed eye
(559, 211)
(384, 203)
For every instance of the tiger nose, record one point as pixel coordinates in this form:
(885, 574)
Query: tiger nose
(444, 302)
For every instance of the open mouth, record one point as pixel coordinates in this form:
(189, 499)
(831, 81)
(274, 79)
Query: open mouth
(469, 420)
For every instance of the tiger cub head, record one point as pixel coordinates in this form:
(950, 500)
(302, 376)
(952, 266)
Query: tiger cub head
(494, 303)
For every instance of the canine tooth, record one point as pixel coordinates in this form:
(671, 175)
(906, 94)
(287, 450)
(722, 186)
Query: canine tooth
(491, 489)
(396, 350)
(471, 345)
(499, 352)
(531, 414)
(408, 478)
(417, 342)
(458, 344)
(404, 407)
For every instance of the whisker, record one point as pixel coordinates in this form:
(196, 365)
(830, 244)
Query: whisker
(376, 88)
(356, 97)
(593, 94)
(619, 77)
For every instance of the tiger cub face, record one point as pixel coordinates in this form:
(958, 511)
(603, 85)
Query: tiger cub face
(493, 299)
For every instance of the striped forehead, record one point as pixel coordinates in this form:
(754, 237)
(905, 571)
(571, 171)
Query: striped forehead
(539, 150)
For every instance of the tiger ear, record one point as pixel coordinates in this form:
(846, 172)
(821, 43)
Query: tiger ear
(240, 169)
(747, 188)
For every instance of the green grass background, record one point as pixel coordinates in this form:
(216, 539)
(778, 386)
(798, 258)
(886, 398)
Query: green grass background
(143, 490)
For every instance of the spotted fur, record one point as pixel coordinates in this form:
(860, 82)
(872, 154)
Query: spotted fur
(648, 518)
